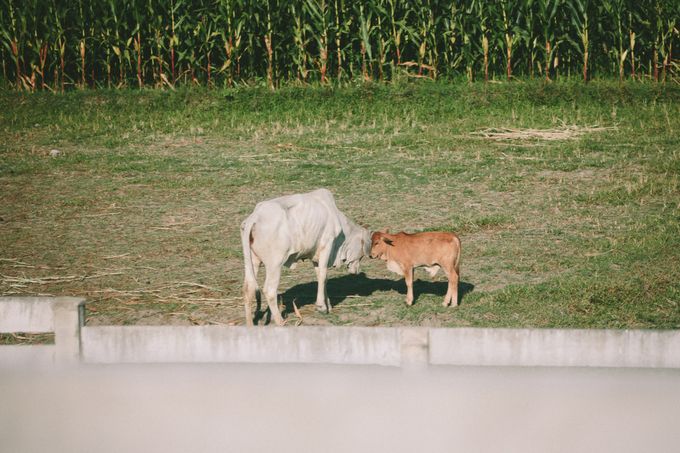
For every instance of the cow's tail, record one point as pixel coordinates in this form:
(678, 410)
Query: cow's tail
(249, 280)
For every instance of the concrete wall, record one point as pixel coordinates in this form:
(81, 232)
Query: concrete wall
(140, 344)
(390, 346)
(383, 346)
(61, 315)
(555, 347)
(26, 314)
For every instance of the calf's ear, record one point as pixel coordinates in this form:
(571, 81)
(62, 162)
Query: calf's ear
(387, 241)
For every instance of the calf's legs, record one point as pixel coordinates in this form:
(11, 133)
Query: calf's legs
(451, 296)
(408, 276)
(452, 292)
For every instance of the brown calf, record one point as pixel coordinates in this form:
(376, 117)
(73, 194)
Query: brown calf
(432, 250)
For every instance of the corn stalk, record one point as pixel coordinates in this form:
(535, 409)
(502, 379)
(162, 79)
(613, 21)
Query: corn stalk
(528, 34)
(342, 28)
(301, 42)
(665, 31)
(631, 36)
(318, 12)
(365, 30)
(547, 11)
(426, 38)
(231, 26)
(615, 10)
(81, 43)
(269, 46)
(452, 30)
(510, 19)
(580, 22)
(397, 27)
(113, 22)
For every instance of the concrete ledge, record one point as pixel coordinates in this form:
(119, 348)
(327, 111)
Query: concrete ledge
(26, 314)
(61, 315)
(555, 347)
(336, 345)
(410, 347)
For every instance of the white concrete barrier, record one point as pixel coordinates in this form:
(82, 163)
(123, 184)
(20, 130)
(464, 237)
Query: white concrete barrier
(555, 347)
(339, 345)
(61, 315)
(411, 347)
(26, 314)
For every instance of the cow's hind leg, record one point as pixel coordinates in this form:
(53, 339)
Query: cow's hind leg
(248, 298)
(271, 287)
(250, 291)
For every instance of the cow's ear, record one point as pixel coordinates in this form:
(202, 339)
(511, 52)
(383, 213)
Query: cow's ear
(387, 241)
(385, 231)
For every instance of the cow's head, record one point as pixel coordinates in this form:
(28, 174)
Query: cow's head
(380, 242)
(358, 246)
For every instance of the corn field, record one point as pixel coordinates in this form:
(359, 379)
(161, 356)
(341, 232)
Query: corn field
(57, 45)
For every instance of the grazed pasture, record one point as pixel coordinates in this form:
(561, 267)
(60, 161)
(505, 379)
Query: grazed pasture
(140, 211)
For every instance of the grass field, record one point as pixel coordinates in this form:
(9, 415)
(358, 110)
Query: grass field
(569, 219)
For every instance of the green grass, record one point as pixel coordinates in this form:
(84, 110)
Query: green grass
(144, 204)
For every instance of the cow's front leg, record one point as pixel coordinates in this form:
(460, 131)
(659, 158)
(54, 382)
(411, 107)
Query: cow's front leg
(322, 303)
(271, 288)
(408, 276)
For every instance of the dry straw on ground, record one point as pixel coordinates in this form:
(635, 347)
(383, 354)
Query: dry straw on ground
(561, 133)
(14, 281)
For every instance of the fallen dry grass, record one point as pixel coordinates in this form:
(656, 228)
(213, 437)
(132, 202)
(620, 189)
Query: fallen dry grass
(570, 132)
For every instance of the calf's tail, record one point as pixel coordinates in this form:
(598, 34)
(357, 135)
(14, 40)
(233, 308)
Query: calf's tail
(457, 259)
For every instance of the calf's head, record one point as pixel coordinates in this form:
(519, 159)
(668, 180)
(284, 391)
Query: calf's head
(380, 242)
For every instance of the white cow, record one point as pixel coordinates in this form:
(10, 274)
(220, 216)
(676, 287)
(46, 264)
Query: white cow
(291, 228)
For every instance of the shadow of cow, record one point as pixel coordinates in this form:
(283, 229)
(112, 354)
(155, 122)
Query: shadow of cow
(340, 288)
